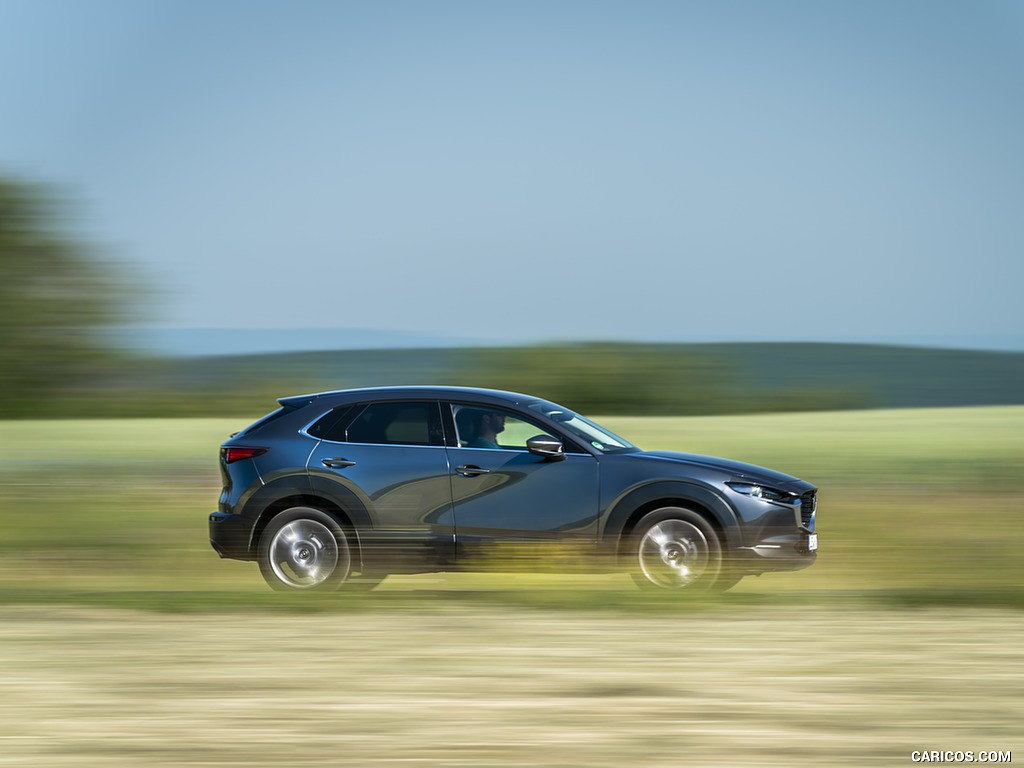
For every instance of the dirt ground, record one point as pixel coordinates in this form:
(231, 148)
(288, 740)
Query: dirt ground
(488, 687)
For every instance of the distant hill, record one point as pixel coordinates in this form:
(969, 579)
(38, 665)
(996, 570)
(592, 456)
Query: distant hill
(648, 378)
(891, 377)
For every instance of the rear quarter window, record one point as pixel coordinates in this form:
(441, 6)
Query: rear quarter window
(331, 426)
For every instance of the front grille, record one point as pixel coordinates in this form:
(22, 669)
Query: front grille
(808, 503)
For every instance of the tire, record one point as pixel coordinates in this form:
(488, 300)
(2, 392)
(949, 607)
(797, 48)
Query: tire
(304, 548)
(675, 549)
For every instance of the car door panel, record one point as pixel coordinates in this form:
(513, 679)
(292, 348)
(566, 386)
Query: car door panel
(520, 497)
(406, 492)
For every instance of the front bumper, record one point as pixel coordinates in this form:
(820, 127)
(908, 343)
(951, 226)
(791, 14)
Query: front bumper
(790, 552)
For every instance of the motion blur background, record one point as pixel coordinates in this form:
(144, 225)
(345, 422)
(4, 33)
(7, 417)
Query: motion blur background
(785, 232)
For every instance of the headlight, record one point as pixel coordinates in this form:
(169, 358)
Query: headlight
(763, 492)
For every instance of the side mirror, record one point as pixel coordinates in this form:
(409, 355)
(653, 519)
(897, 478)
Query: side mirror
(546, 446)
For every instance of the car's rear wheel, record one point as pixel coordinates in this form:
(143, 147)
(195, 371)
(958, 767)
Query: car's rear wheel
(677, 549)
(304, 548)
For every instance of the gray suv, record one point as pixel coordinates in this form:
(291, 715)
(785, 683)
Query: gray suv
(340, 489)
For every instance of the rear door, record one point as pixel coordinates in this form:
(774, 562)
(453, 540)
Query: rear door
(388, 460)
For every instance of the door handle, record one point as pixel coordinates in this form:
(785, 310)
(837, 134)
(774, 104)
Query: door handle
(471, 470)
(337, 463)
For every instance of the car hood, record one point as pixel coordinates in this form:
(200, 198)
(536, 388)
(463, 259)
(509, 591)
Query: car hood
(737, 469)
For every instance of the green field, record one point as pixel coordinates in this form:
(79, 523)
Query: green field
(124, 640)
(920, 502)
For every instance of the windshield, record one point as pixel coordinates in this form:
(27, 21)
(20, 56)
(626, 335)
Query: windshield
(585, 430)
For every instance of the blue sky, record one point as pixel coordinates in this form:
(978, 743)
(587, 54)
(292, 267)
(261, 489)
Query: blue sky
(694, 171)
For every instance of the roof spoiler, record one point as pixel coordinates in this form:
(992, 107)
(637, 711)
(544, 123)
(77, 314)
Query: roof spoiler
(297, 401)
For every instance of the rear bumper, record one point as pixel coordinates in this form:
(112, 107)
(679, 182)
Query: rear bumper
(229, 535)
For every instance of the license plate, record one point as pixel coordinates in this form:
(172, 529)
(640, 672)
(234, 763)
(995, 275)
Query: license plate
(812, 542)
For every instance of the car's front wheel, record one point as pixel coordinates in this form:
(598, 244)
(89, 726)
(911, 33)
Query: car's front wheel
(304, 548)
(675, 548)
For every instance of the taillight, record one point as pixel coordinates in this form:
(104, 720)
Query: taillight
(233, 453)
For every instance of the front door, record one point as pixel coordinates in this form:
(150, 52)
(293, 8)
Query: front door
(503, 493)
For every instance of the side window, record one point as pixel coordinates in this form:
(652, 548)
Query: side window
(331, 426)
(396, 424)
(485, 427)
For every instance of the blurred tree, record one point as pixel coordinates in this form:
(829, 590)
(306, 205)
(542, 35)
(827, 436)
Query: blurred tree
(56, 298)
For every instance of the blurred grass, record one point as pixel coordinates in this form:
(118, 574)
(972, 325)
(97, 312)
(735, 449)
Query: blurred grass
(503, 686)
(972, 448)
(917, 507)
